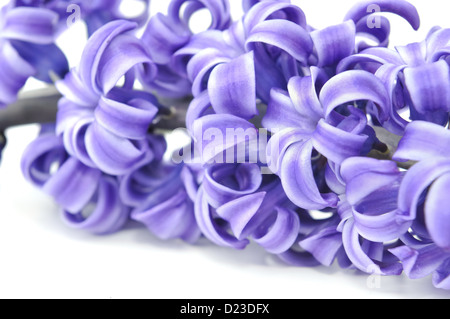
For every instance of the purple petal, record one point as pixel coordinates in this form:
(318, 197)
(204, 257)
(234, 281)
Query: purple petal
(128, 121)
(334, 43)
(422, 141)
(173, 218)
(219, 9)
(73, 185)
(109, 214)
(121, 55)
(359, 258)
(277, 9)
(353, 86)
(240, 211)
(198, 43)
(281, 113)
(48, 60)
(39, 156)
(73, 127)
(420, 263)
(416, 181)
(96, 46)
(441, 277)
(200, 66)
(437, 212)
(14, 72)
(304, 95)
(217, 187)
(378, 56)
(163, 39)
(198, 107)
(389, 74)
(285, 35)
(336, 144)
(210, 228)
(298, 179)
(113, 154)
(232, 88)
(279, 236)
(324, 245)
(428, 87)
(366, 175)
(279, 143)
(35, 25)
(376, 216)
(268, 74)
(413, 54)
(73, 89)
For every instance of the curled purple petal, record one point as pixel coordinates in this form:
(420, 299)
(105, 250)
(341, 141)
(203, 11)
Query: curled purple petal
(279, 236)
(359, 258)
(285, 35)
(334, 43)
(113, 154)
(35, 25)
(297, 177)
(108, 215)
(218, 186)
(324, 245)
(239, 212)
(419, 263)
(357, 171)
(428, 86)
(128, 121)
(415, 182)
(264, 10)
(14, 72)
(423, 140)
(437, 214)
(336, 144)
(173, 218)
(209, 225)
(353, 86)
(232, 88)
(73, 185)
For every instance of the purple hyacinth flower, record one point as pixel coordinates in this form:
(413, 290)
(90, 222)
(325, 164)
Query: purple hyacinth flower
(235, 204)
(103, 125)
(89, 199)
(403, 71)
(27, 49)
(314, 125)
(172, 43)
(366, 221)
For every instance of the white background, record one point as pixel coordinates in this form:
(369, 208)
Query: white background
(42, 258)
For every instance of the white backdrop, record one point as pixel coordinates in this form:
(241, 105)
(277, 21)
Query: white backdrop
(41, 258)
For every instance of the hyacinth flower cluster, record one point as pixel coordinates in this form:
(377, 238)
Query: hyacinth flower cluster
(319, 145)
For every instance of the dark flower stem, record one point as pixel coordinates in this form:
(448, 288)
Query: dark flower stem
(40, 106)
